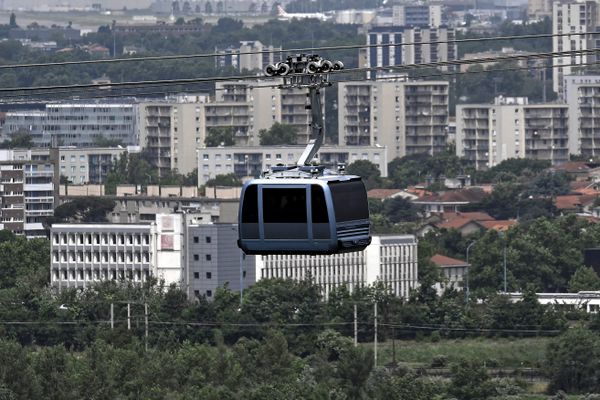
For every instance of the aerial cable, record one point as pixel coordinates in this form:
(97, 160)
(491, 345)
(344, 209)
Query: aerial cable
(293, 50)
(397, 68)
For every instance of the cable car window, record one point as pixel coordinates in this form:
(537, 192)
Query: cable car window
(320, 218)
(250, 213)
(349, 200)
(284, 213)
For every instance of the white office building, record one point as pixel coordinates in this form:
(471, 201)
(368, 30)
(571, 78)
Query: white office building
(390, 259)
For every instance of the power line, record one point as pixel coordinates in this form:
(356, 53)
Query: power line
(399, 67)
(293, 50)
(413, 66)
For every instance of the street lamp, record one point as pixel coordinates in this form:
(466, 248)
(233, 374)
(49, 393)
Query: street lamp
(467, 277)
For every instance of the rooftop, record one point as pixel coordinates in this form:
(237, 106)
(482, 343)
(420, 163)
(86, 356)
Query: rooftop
(444, 262)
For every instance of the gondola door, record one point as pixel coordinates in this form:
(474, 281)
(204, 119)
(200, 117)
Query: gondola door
(284, 213)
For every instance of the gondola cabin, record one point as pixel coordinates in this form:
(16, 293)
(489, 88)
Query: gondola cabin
(314, 215)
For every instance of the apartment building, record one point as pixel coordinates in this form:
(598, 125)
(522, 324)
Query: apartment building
(252, 161)
(251, 55)
(82, 254)
(409, 45)
(539, 8)
(170, 131)
(390, 259)
(582, 95)
(488, 134)
(76, 124)
(573, 16)
(405, 117)
(215, 260)
(421, 15)
(28, 194)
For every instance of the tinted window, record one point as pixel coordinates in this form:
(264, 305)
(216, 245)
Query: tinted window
(349, 200)
(319, 205)
(284, 205)
(250, 206)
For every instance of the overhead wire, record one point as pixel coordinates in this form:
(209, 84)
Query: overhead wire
(397, 67)
(293, 50)
(73, 89)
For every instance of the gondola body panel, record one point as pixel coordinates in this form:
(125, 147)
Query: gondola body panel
(324, 215)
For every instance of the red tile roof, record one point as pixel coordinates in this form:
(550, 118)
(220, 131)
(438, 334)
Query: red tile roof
(443, 261)
(573, 167)
(455, 196)
(456, 223)
(474, 215)
(499, 225)
(573, 202)
(382, 194)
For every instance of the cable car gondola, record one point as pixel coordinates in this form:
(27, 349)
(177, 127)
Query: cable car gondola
(304, 209)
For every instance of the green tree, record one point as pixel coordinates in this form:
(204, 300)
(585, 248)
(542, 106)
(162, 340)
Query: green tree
(470, 381)
(278, 134)
(84, 210)
(573, 361)
(584, 278)
(224, 180)
(220, 136)
(353, 371)
(399, 209)
(368, 171)
(13, 21)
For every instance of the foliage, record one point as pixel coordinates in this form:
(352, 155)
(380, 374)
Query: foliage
(103, 141)
(84, 210)
(368, 171)
(514, 167)
(584, 278)
(18, 140)
(398, 209)
(220, 136)
(224, 180)
(470, 381)
(278, 134)
(573, 361)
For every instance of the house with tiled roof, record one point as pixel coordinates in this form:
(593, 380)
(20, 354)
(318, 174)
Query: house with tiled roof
(454, 271)
(384, 194)
(465, 222)
(450, 201)
(499, 225)
(575, 203)
(578, 170)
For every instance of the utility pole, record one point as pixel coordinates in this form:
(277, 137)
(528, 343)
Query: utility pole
(355, 325)
(146, 321)
(375, 332)
(504, 266)
(128, 316)
(112, 316)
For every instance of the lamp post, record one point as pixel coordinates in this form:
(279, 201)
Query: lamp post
(467, 276)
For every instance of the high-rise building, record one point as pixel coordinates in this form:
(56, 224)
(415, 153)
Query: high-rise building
(417, 15)
(582, 95)
(405, 117)
(251, 55)
(399, 45)
(488, 134)
(539, 8)
(28, 195)
(573, 16)
(389, 259)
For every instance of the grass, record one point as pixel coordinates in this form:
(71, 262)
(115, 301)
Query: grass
(500, 353)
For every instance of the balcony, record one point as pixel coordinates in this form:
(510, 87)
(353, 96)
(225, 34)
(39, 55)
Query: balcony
(39, 174)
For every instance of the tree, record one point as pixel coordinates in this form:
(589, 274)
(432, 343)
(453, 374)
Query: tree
(220, 136)
(366, 170)
(278, 134)
(470, 381)
(584, 278)
(399, 209)
(208, 9)
(103, 141)
(573, 361)
(13, 21)
(19, 140)
(354, 368)
(224, 180)
(84, 210)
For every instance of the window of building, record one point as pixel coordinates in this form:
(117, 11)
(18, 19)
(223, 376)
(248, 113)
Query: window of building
(208, 239)
(209, 275)
(196, 257)
(196, 293)
(196, 239)
(209, 293)
(196, 275)
(208, 257)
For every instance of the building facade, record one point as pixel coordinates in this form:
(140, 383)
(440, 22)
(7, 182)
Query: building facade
(582, 95)
(488, 134)
(76, 124)
(405, 117)
(399, 45)
(215, 260)
(252, 161)
(251, 55)
(421, 15)
(389, 259)
(573, 16)
(82, 254)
